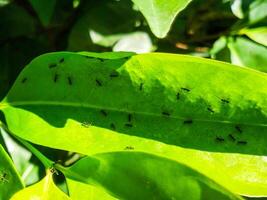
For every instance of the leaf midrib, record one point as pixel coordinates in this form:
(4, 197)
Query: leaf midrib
(90, 106)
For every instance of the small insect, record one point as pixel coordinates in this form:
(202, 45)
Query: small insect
(238, 129)
(219, 139)
(114, 74)
(178, 96)
(103, 112)
(53, 170)
(129, 148)
(210, 109)
(130, 117)
(128, 125)
(98, 82)
(165, 113)
(225, 101)
(188, 121)
(69, 80)
(24, 80)
(141, 86)
(56, 77)
(53, 65)
(242, 142)
(61, 60)
(112, 126)
(185, 89)
(3, 177)
(86, 124)
(232, 137)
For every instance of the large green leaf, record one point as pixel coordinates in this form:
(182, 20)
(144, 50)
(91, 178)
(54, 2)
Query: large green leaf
(247, 53)
(160, 13)
(45, 190)
(91, 103)
(138, 175)
(10, 181)
(79, 190)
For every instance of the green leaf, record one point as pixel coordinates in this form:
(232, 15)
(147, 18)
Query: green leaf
(29, 171)
(258, 34)
(160, 13)
(93, 103)
(10, 181)
(15, 22)
(247, 53)
(79, 190)
(257, 11)
(138, 175)
(44, 9)
(95, 26)
(45, 190)
(220, 51)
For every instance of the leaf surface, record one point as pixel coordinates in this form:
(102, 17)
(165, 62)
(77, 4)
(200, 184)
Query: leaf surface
(160, 13)
(79, 190)
(45, 190)
(135, 175)
(211, 114)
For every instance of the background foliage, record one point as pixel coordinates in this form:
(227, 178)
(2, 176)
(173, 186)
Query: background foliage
(232, 31)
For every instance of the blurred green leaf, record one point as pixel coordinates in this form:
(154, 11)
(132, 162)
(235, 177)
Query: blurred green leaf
(44, 9)
(45, 190)
(23, 160)
(258, 34)
(253, 10)
(102, 23)
(143, 176)
(138, 42)
(258, 11)
(220, 51)
(245, 52)
(15, 22)
(10, 181)
(160, 13)
(4, 2)
(78, 191)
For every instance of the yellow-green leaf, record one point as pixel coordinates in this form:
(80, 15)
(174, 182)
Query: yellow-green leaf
(160, 13)
(45, 190)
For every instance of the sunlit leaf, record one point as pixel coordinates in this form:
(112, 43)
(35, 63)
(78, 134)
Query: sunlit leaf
(79, 190)
(258, 34)
(170, 105)
(45, 190)
(245, 52)
(160, 13)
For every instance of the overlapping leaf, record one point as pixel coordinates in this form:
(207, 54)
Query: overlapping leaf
(143, 176)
